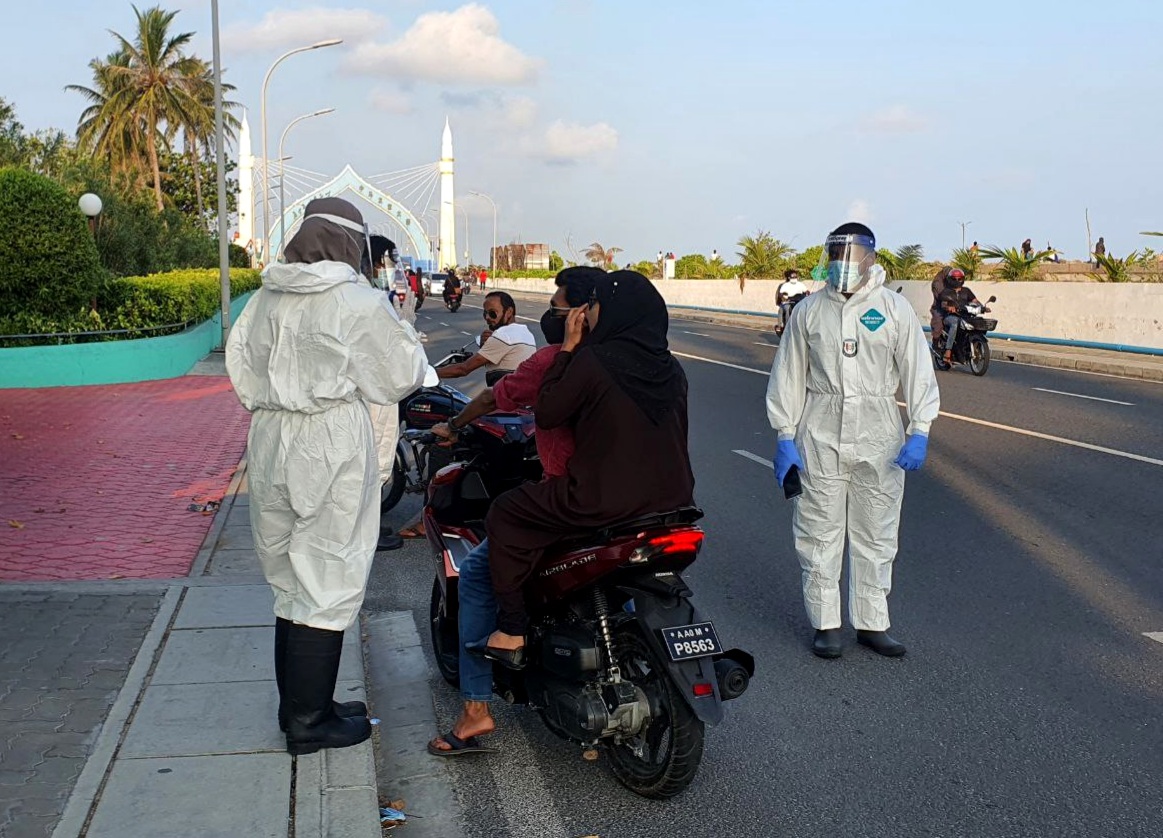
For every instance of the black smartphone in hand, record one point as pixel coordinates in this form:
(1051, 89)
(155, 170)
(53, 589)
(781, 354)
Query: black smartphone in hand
(791, 483)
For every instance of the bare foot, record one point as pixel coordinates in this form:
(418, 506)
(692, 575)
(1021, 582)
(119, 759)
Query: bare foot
(475, 720)
(500, 640)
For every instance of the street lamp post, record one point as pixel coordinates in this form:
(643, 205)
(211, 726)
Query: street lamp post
(220, 176)
(493, 252)
(282, 173)
(963, 224)
(467, 246)
(266, 193)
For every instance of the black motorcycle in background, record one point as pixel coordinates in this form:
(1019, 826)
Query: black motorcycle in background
(971, 346)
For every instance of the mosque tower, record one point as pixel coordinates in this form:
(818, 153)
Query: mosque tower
(447, 254)
(245, 188)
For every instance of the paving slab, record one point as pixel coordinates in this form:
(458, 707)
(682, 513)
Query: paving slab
(196, 797)
(236, 561)
(201, 719)
(244, 605)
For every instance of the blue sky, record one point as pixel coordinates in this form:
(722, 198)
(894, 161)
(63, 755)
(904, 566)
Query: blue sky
(683, 125)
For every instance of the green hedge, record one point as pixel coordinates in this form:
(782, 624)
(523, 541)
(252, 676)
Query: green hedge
(137, 302)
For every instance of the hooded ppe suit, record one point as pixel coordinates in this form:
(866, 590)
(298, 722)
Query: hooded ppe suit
(311, 350)
(833, 390)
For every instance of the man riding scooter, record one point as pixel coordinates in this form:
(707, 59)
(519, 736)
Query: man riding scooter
(790, 292)
(936, 314)
(952, 302)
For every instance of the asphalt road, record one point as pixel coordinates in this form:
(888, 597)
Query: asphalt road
(1030, 571)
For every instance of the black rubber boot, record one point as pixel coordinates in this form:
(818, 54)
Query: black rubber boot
(827, 643)
(312, 666)
(881, 643)
(389, 540)
(344, 710)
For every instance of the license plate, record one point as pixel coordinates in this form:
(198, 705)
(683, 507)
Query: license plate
(694, 641)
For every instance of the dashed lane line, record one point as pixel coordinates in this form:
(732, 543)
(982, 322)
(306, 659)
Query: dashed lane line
(1081, 396)
(1154, 635)
(982, 422)
(696, 334)
(755, 458)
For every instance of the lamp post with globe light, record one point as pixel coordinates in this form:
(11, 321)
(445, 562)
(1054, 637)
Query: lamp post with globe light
(90, 205)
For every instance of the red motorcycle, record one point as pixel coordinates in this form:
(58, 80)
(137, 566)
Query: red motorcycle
(618, 655)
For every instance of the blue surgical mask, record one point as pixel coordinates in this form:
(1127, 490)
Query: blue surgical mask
(844, 276)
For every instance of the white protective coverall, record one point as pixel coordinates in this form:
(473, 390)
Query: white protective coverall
(311, 350)
(833, 390)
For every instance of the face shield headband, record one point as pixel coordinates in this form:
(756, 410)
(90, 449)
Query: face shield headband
(847, 260)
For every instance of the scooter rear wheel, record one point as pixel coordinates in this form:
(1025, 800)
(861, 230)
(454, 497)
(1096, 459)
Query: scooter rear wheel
(671, 745)
(445, 637)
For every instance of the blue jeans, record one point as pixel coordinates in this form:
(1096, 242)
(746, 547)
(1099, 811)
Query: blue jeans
(952, 321)
(478, 619)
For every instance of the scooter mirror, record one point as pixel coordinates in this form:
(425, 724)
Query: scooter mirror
(992, 300)
(431, 379)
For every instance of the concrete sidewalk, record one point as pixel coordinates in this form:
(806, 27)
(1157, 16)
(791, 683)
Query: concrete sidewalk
(199, 752)
(191, 745)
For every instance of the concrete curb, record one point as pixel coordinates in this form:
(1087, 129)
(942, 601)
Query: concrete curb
(400, 692)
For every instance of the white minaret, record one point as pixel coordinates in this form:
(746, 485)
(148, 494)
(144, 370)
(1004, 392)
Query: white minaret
(447, 254)
(245, 187)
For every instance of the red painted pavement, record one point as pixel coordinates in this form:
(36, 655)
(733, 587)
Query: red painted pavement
(95, 481)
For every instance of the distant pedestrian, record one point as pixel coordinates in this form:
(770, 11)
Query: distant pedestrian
(483, 278)
(1099, 250)
(973, 248)
(1027, 249)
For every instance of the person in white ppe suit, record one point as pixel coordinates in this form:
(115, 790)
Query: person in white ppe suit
(312, 349)
(832, 399)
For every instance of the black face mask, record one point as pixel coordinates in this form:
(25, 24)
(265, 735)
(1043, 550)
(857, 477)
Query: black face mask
(552, 327)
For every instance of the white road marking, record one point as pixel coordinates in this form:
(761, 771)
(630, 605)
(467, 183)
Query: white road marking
(442, 323)
(720, 363)
(764, 343)
(755, 458)
(1154, 635)
(996, 426)
(697, 334)
(466, 333)
(1080, 396)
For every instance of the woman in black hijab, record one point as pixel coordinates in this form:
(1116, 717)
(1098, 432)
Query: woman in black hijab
(625, 396)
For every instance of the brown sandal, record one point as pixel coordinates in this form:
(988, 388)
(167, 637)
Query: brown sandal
(413, 531)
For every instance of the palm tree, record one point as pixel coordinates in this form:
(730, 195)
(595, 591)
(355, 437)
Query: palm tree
(106, 130)
(1119, 270)
(197, 123)
(600, 256)
(968, 260)
(145, 85)
(762, 254)
(1012, 265)
(905, 263)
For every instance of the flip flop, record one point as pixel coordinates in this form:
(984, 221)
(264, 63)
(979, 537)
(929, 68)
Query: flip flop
(460, 747)
(414, 531)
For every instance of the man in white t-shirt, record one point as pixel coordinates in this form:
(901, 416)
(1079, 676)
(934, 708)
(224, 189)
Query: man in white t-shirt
(505, 343)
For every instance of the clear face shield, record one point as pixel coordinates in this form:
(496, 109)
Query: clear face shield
(847, 261)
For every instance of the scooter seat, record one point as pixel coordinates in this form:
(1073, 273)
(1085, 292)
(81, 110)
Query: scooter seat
(676, 517)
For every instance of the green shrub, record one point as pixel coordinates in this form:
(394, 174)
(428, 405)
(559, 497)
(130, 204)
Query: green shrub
(49, 268)
(139, 302)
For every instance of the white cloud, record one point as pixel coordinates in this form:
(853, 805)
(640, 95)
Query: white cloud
(898, 119)
(391, 101)
(859, 210)
(568, 142)
(458, 47)
(519, 112)
(287, 29)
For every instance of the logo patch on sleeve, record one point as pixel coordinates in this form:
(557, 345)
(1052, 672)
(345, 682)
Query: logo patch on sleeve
(872, 319)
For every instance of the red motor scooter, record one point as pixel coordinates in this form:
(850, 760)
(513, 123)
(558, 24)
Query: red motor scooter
(618, 655)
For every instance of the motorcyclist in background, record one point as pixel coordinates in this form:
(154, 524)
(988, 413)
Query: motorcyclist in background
(451, 282)
(936, 315)
(790, 291)
(952, 302)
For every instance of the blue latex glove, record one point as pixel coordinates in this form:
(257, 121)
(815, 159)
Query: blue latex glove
(786, 456)
(912, 455)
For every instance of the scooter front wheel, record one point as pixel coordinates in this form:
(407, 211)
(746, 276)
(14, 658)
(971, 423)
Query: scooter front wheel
(445, 636)
(978, 355)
